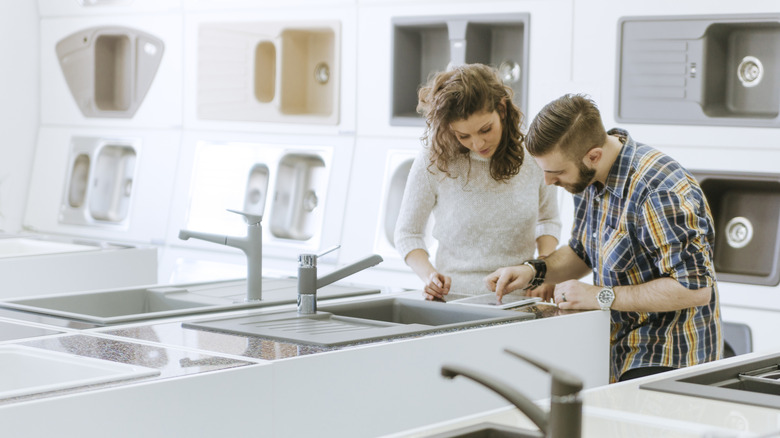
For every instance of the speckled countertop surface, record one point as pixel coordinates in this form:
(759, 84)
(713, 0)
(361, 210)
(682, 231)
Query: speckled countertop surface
(172, 333)
(165, 345)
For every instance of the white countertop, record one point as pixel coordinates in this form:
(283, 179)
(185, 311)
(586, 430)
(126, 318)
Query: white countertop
(625, 410)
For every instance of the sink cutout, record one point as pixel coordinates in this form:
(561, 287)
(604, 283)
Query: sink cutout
(298, 204)
(699, 70)
(79, 180)
(256, 189)
(743, 61)
(306, 87)
(99, 185)
(290, 74)
(136, 304)
(426, 45)
(109, 69)
(348, 323)
(746, 210)
(265, 71)
(28, 371)
(395, 195)
(112, 183)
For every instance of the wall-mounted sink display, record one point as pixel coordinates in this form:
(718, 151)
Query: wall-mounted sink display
(135, 304)
(99, 182)
(699, 70)
(269, 71)
(398, 165)
(361, 321)
(425, 45)
(288, 186)
(301, 184)
(109, 69)
(256, 189)
(746, 210)
(27, 371)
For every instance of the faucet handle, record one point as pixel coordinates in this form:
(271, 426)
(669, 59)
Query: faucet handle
(249, 218)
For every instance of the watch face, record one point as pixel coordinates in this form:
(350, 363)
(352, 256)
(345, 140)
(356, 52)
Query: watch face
(605, 297)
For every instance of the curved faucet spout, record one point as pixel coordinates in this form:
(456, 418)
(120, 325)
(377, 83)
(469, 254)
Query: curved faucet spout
(208, 237)
(528, 407)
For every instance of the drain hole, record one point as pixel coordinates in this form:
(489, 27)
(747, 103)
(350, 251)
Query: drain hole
(750, 71)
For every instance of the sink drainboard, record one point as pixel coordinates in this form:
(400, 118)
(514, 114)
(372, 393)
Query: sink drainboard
(322, 328)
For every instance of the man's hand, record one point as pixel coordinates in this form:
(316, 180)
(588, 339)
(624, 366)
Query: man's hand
(506, 280)
(573, 294)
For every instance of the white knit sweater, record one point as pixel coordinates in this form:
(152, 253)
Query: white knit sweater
(480, 224)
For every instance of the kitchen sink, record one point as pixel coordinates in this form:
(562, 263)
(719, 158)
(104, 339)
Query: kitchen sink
(27, 371)
(489, 430)
(360, 321)
(754, 382)
(134, 304)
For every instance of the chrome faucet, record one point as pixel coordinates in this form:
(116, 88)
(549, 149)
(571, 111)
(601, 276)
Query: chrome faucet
(251, 244)
(565, 417)
(308, 283)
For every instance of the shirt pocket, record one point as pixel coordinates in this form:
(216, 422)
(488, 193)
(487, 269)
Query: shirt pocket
(618, 255)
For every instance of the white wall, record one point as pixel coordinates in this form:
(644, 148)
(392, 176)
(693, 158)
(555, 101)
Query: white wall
(19, 110)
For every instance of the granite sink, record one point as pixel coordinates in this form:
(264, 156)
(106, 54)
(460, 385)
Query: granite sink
(133, 304)
(359, 321)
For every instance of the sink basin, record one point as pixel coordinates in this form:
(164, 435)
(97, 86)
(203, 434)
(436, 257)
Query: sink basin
(27, 370)
(741, 62)
(133, 304)
(367, 320)
(489, 430)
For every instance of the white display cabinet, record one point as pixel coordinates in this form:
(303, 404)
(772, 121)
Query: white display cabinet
(122, 71)
(282, 70)
(57, 8)
(298, 184)
(103, 183)
(382, 167)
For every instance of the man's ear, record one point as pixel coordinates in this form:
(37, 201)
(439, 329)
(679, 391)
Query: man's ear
(593, 157)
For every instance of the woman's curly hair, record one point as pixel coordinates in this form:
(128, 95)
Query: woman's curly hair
(456, 95)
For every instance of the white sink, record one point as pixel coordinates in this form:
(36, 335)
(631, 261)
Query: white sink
(27, 370)
(20, 246)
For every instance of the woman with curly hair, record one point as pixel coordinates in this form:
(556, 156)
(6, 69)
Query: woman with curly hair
(491, 207)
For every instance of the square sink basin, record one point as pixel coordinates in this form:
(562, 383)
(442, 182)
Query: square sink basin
(27, 371)
(134, 304)
(741, 70)
(489, 430)
(361, 321)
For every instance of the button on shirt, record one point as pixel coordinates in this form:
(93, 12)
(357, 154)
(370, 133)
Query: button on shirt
(651, 220)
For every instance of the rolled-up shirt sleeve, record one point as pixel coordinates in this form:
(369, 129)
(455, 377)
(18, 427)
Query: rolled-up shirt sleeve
(416, 207)
(549, 222)
(675, 229)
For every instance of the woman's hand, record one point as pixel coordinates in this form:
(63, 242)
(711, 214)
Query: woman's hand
(437, 286)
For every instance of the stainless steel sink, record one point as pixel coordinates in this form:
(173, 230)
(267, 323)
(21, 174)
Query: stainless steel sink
(360, 321)
(489, 430)
(133, 304)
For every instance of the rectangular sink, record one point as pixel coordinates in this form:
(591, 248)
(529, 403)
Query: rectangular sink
(699, 70)
(368, 320)
(134, 304)
(27, 371)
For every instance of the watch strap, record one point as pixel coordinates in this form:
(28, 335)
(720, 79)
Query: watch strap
(540, 271)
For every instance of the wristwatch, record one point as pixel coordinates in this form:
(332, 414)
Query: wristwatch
(540, 270)
(605, 297)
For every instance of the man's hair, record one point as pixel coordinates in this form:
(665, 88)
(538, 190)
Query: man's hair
(459, 93)
(571, 123)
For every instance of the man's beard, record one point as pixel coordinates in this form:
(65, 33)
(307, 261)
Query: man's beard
(584, 180)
